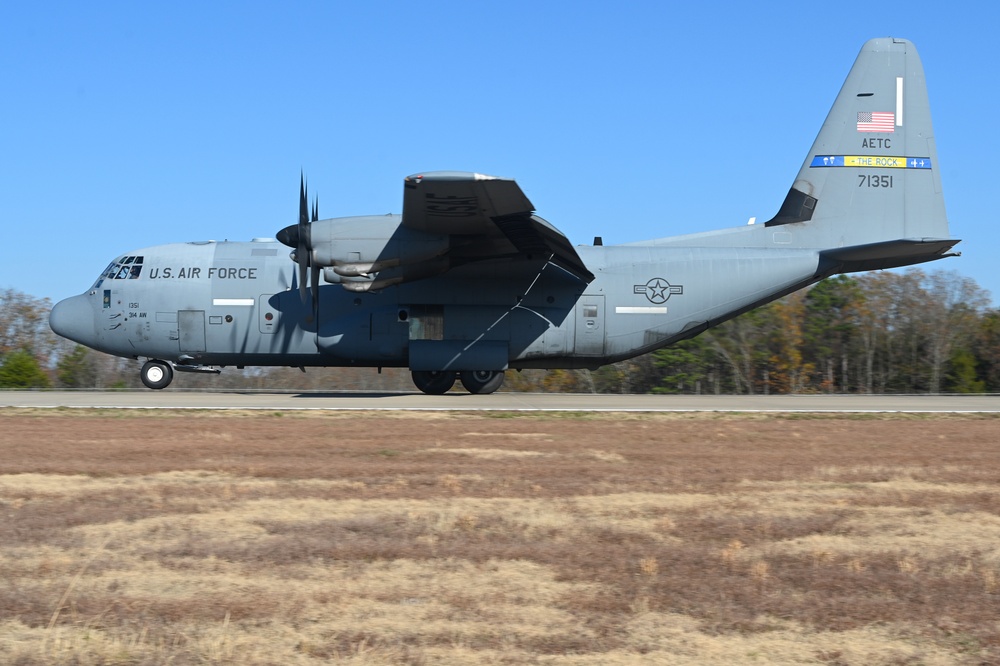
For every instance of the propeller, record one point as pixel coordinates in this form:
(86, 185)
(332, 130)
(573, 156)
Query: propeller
(299, 237)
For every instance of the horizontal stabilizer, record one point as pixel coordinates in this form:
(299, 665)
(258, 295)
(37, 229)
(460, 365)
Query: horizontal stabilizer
(889, 254)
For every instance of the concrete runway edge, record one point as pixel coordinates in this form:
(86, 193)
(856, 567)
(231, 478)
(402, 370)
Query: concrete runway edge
(516, 402)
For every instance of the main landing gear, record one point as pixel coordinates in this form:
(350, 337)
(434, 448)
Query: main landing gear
(479, 382)
(156, 374)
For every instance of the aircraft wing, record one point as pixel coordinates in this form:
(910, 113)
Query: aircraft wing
(490, 216)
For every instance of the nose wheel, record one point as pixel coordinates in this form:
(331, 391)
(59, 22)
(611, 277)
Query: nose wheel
(156, 374)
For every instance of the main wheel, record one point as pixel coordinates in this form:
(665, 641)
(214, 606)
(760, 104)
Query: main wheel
(482, 381)
(156, 374)
(432, 382)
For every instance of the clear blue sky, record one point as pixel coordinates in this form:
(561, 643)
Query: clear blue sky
(124, 125)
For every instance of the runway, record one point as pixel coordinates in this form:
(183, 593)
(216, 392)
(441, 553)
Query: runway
(516, 402)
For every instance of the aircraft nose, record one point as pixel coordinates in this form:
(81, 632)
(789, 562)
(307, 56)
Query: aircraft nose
(73, 318)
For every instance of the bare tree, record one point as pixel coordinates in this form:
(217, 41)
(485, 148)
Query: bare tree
(24, 325)
(951, 312)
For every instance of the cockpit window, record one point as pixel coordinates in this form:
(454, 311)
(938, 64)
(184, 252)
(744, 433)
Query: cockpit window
(123, 268)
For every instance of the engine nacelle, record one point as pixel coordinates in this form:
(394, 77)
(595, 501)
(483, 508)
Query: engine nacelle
(360, 246)
(388, 276)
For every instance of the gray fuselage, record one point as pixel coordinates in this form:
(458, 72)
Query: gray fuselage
(237, 303)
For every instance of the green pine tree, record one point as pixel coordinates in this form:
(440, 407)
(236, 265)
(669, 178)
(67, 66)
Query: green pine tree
(76, 369)
(963, 377)
(21, 370)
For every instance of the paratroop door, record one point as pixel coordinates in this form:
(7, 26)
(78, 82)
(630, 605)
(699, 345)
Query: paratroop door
(191, 329)
(590, 325)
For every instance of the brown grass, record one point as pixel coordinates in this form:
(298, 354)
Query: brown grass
(377, 539)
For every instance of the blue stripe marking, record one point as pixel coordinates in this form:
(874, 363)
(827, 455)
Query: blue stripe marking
(839, 161)
(828, 161)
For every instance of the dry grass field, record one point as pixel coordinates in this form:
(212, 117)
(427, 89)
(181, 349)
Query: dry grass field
(356, 538)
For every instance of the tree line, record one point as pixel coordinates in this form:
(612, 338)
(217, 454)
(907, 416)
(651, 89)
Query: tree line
(883, 332)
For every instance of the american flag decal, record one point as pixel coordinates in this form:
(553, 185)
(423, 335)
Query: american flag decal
(876, 121)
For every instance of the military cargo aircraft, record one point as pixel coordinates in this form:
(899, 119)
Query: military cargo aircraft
(468, 281)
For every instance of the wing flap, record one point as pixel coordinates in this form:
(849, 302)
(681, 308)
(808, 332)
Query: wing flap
(455, 202)
(533, 236)
(495, 209)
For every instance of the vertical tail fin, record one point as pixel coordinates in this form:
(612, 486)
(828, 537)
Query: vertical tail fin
(872, 174)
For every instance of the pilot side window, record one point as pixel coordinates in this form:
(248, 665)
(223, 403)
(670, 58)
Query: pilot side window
(126, 268)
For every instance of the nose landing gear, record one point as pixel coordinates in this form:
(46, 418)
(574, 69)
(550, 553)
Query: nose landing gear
(156, 374)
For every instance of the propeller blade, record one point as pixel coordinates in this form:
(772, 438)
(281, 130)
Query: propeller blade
(302, 279)
(314, 280)
(303, 251)
(303, 204)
